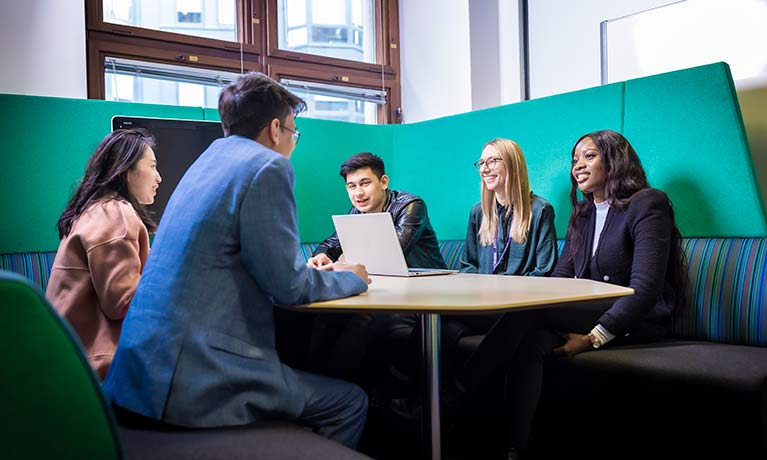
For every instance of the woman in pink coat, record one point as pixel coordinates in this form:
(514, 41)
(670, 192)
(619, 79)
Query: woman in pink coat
(104, 234)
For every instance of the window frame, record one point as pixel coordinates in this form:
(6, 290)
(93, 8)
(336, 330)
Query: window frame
(257, 29)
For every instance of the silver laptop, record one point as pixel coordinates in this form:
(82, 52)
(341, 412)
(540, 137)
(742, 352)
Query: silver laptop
(370, 239)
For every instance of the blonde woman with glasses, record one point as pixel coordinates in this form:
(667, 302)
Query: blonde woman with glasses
(511, 232)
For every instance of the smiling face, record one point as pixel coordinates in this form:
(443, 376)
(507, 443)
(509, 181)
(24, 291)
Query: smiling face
(366, 192)
(588, 169)
(144, 179)
(494, 178)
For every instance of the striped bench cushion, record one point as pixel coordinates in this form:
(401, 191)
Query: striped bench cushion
(35, 266)
(727, 292)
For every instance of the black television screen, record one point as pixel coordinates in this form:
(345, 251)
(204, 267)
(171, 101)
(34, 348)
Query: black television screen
(179, 143)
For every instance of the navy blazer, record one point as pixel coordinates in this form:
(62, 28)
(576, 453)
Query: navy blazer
(635, 250)
(197, 346)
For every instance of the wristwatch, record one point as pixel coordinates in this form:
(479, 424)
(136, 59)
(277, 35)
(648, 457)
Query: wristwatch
(595, 341)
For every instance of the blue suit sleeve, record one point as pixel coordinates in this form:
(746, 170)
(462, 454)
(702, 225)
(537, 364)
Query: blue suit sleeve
(270, 243)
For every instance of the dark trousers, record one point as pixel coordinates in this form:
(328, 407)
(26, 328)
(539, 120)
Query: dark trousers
(519, 343)
(356, 347)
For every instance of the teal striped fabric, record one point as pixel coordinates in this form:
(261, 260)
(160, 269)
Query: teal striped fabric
(35, 266)
(727, 291)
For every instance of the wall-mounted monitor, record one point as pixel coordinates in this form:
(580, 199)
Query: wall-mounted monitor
(179, 143)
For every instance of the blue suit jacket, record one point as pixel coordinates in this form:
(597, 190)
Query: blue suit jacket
(197, 346)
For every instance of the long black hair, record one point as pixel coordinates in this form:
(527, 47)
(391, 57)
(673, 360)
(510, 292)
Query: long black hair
(624, 176)
(106, 173)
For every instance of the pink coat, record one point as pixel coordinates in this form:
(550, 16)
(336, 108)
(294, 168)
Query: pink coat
(95, 273)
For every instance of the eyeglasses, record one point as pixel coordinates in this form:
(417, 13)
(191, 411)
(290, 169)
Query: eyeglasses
(295, 134)
(491, 163)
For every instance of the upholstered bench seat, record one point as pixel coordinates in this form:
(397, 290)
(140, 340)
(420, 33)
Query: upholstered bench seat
(722, 367)
(267, 440)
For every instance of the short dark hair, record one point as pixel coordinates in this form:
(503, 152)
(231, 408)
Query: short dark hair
(107, 173)
(252, 101)
(361, 161)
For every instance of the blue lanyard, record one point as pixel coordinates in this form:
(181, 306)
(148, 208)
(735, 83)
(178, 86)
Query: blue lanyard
(496, 259)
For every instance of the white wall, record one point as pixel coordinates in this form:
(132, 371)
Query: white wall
(43, 48)
(509, 38)
(564, 41)
(435, 58)
(458, 55)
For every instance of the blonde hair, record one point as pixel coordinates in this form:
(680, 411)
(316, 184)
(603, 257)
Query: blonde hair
(517, 188)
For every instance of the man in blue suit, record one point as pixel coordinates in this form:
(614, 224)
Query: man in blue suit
(197, 346)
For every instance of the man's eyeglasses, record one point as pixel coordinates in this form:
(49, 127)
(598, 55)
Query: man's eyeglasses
(295, 134)
(490, 163)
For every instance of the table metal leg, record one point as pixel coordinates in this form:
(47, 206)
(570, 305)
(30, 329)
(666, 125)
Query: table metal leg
(430, 339)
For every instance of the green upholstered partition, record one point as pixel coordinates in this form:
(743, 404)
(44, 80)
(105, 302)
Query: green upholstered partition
(685, 125)
(434, 158)
(687, 128)
(44, 146)
(320, 191)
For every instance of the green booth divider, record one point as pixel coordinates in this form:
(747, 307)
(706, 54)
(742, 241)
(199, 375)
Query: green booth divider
(45, 145)
(687, 128)
(685, 125)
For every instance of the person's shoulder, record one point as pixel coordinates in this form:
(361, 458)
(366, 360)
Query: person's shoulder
(108, 220)
(248, 150)
(539, 203)
(649, 198)
(400, 196)
(252, 159)
(476, 209)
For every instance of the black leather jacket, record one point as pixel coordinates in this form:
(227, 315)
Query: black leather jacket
(411, 221)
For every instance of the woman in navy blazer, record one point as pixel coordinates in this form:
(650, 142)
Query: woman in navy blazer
(621, 232)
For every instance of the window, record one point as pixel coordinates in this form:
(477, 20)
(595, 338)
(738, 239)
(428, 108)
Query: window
(189, 11)
(334, 102)
(138, 81)
(334, 28)
(176, 16)
(184, 51)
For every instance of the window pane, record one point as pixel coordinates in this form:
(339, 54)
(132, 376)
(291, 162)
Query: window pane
(189, 17)
(338, 108)
(189, 11)
(191, 94)
(227, 12)
(119, 87)
(336, 28)
(297, 16)
(329, 11)
(297, 38)
(169, 89)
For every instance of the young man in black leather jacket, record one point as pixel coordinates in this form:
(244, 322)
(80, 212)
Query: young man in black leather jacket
(342, 343)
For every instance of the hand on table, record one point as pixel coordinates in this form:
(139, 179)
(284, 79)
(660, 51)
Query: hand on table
(357, 269)
(321, 262)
